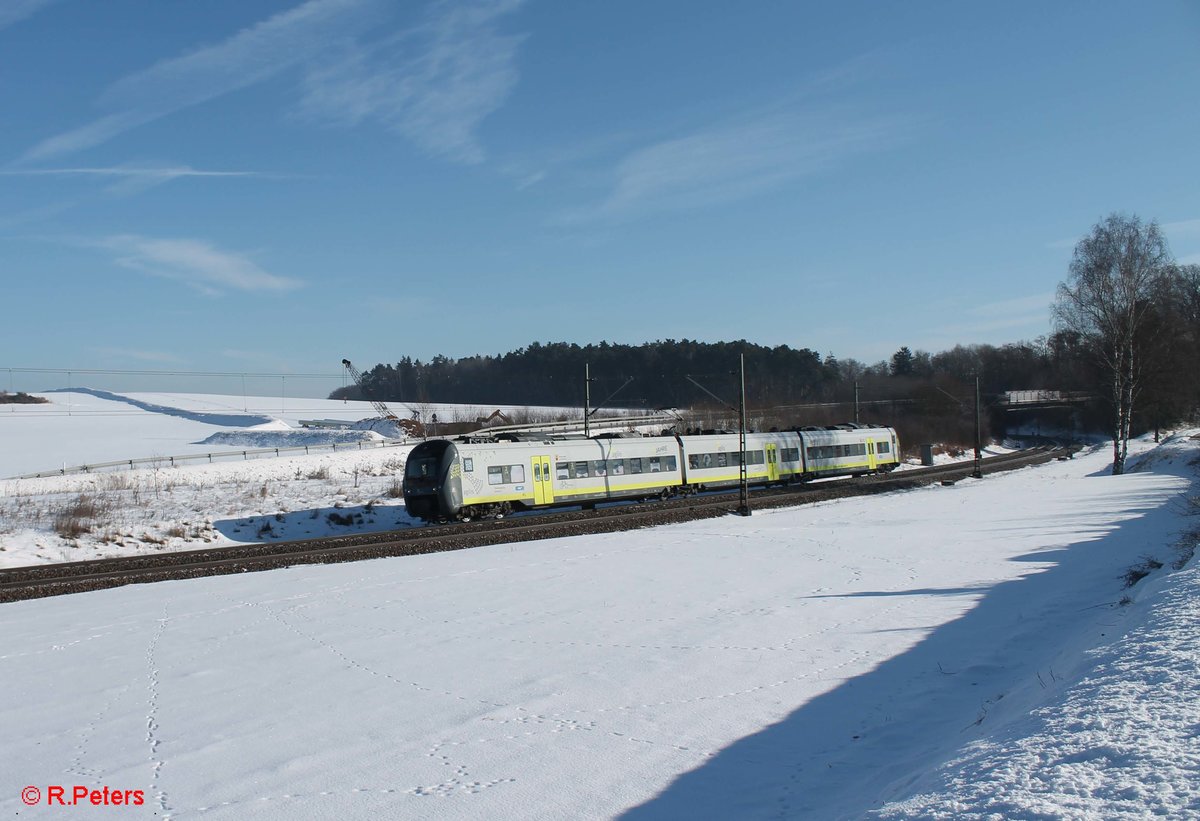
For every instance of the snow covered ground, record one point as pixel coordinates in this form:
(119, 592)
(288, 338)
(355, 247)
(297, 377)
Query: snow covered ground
(85, 426)
(163, 506)
(964, 651)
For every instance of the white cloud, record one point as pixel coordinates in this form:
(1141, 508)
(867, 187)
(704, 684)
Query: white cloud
(730, 162)
(195, 263)
(254, 54)
(148, 172)
(1184, 228)
(127, 179)
(160, 357)
(1020, 309)
(433, 84)
(13, 11)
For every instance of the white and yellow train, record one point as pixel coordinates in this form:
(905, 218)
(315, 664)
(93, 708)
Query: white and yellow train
(467, 479)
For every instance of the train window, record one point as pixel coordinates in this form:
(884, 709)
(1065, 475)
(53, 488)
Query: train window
(757, 457)
(537, 471)
(791, 454)
(581, 470)
(468, 464)
(562, 470)
(721, 460)
(670, 463)
(616, 466)
(505, 474)
(635, 465)
(421, 468)
(655, 464)
(694, 461)
(883, 447)
(599, 468)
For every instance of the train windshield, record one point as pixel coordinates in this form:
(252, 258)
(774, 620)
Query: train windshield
(422, 467)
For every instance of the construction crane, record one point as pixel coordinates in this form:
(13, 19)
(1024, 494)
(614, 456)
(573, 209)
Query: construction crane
(357, 376)
(412, 426)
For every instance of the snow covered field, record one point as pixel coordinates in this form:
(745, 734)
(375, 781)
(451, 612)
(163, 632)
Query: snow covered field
(85, 427)
(965, 651)
(192, 504)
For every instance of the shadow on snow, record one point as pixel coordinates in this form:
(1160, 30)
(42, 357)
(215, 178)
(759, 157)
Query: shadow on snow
(231, 420)
(870, 738)
(316, 523)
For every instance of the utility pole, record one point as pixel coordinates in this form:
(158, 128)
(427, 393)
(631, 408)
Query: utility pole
(856, 401)
(587, 399)
(978, 472)
(743, 484)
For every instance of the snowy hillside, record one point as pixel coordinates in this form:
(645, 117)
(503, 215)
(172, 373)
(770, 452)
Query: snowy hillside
(964, 651)
(85, 426)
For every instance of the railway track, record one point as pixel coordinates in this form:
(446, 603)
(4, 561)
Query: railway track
(73, 577)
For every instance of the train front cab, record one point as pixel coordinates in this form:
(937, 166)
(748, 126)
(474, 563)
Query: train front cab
(433, 481)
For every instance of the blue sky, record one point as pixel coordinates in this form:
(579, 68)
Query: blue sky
(271, 186)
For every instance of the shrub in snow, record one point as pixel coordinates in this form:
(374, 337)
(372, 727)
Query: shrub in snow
(1140, 571)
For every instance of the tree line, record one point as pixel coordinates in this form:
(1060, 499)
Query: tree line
(1126, 331)
(651, 375)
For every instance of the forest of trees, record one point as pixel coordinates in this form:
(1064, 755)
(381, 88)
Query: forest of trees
(929, 396)
(553, 374)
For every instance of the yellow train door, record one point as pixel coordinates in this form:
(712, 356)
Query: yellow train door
(543, 481)
(772, 463)
(871, 462)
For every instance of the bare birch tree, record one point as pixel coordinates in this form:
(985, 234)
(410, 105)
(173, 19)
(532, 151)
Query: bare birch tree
(1115, 277)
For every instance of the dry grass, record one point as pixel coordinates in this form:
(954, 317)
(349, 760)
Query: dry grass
(81, 516)
(1140, 571)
